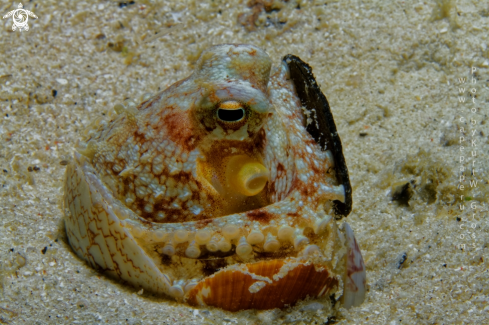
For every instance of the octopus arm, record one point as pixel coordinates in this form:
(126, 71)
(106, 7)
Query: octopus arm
(322, 127)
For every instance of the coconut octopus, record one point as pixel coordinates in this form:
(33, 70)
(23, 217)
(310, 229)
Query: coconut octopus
(222, 190)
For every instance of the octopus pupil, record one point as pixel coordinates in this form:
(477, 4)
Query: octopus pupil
(229, 115)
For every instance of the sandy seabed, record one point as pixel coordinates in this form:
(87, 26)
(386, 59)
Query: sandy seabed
(391, 71)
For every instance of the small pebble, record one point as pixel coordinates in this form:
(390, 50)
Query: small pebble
(401, 260)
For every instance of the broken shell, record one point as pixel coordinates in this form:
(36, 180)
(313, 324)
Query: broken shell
(356, 278)
(232, 166)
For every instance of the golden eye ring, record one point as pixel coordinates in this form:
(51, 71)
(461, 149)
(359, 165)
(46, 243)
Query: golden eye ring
(231, 111)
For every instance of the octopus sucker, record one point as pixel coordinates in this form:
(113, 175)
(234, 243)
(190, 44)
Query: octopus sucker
(223, 190)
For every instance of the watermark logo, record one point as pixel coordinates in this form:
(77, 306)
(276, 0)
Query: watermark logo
(20, 17)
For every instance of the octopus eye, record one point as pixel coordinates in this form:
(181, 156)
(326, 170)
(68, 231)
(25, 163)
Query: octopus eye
(231, 111)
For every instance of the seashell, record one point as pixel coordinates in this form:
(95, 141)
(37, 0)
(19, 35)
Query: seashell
(356, 278)
(299, 281)
(239, 166)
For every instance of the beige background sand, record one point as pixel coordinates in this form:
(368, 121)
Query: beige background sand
(390, 72)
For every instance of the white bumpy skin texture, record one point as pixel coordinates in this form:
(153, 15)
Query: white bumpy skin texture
(212, 192)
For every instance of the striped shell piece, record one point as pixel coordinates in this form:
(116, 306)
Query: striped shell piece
(223, 190)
